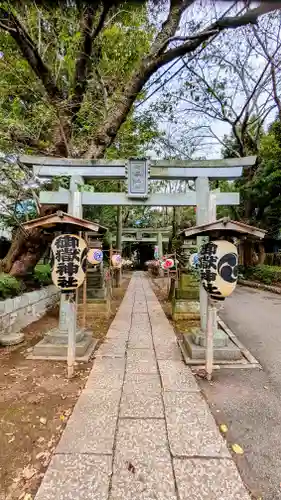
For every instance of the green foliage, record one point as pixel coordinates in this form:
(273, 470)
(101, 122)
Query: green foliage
(28, 119)
(9, 286)
(42, 274)
(260, 187)
(268, 275)
(266, 185)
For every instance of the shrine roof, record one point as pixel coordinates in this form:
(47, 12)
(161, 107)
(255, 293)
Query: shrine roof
(225, 226)
(59, 219)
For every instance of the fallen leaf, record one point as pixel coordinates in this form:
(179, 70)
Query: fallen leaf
(43, 420)
(265, 387)
(27, 496)
(223, 428)
(62, 418)
(237, 449)
(201, 373)
(131, 468)
(12, 439)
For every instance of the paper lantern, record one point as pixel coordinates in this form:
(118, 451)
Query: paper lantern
(116, 261)
(194, 260)
(219, 268)
(167, 264)
(95, 256)
(69, 261)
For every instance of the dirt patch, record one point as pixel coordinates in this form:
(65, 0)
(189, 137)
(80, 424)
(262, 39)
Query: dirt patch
(36, 400)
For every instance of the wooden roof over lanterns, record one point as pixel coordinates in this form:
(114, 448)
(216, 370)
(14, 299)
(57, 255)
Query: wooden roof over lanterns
(59, 219)
(224, 226)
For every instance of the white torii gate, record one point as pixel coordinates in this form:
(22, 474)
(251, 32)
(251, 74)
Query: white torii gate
(138, 172)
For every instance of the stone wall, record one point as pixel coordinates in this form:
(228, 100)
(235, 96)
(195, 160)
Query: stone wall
(20, 311)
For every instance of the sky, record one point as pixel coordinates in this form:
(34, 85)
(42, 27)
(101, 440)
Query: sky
(202, 13)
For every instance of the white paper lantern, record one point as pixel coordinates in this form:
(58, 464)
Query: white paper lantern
(169, 263)
(116, 261)
(194, 260)
(69, 261)
(95, 256)
(219, 268)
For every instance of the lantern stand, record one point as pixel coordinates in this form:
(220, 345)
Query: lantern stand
(218, 264)
(65, 342)
(115, 268)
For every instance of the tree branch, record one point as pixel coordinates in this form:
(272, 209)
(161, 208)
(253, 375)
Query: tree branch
(170, 26)
(83, 63)
(10, 24)
(157, 58)
(250, 17)
(272, 70)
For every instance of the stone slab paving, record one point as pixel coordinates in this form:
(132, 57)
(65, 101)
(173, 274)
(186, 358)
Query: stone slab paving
(75, 476)
(141, 429)
(191, 428)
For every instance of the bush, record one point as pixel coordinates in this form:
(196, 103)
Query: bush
(42, 274)
(265, 274)
(9, 286)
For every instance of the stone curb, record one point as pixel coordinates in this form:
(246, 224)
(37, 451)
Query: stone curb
(260, 286)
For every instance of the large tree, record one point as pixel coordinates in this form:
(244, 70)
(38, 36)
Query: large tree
(71, 72)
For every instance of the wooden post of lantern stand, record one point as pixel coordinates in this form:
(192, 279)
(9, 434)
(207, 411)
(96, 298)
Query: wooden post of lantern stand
(85, 292)
(72, 318)
(211, 328)
(212, 322)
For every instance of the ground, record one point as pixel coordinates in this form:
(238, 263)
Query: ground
(36, 400)
(249, 401)
(141, 428)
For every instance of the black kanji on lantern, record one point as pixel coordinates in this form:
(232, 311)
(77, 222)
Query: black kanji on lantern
(67, 241)
(67, 282)
(69, 267)
(208, 262)
(207, 274)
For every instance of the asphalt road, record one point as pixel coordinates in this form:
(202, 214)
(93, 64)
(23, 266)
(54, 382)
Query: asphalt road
(249, 401)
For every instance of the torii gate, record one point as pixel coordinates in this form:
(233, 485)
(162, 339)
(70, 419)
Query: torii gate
(157, 236)
(138, 173)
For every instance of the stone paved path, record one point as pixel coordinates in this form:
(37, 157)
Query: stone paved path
(141, 429)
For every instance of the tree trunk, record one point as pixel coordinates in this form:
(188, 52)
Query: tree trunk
(26, 249)
(248, 254)
(261, 254)
(24, 253)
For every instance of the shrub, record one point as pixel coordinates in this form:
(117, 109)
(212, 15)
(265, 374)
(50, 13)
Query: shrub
(263, 273)
(9, 286)
(42, 274)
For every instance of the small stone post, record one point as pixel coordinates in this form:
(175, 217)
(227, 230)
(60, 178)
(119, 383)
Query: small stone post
(185, 304)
